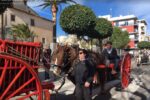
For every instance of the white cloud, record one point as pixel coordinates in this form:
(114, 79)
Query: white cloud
(141, 10)
(34, 3)
(80, 1)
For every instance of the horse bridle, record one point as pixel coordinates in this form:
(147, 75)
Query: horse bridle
(64, 76)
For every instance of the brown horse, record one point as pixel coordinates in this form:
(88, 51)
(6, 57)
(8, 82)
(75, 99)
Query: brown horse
(64, 58)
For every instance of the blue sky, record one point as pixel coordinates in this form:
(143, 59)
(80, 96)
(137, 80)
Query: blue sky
(139, 8)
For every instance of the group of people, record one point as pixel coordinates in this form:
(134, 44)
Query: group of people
(142, 56)
(84, 73)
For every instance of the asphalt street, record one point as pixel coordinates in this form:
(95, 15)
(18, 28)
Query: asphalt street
(138, 89)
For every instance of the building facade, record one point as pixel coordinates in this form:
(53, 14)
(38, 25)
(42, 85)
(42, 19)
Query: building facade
(136, 28)
(22, 14)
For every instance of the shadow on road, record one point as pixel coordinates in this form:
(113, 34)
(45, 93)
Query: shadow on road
(106, 96)
(62, 97)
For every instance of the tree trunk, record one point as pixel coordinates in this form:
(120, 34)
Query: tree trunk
(54, 16)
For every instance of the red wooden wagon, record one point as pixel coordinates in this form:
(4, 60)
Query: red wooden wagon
(19, 71)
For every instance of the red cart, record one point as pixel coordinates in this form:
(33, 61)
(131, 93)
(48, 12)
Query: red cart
(19, 63)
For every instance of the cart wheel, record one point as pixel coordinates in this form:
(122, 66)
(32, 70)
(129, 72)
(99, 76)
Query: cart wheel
(18, 79)
(125, 79)
(125, 70)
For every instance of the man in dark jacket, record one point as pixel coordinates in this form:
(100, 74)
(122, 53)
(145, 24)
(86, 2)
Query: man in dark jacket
(111, 57)
(84, 73)
(46, 61)
(110, 53)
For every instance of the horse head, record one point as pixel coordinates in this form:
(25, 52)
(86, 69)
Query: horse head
(62, 58)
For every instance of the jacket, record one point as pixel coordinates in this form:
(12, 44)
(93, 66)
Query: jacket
(83, 72)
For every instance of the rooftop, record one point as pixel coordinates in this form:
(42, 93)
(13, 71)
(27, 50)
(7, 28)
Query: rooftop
(118, 18)
(142, 21)
(22, 6)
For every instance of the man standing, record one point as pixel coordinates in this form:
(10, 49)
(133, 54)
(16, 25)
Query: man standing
(84, 73)
(46, 61)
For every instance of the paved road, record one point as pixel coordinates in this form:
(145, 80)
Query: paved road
(66, 92)
(138, 89)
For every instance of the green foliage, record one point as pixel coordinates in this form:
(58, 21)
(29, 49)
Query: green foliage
(77, 19)
(119, 38)
(22, 32)
(48, 3)
(103, 28)
(143, 44)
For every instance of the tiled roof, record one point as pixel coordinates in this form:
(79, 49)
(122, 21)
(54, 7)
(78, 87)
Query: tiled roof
(20, 5)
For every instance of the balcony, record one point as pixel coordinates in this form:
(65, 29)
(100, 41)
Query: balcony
(133, 33)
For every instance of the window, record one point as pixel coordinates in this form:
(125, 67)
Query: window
(32, 22)
(43, 40)
(122, 23)
(142, 28)
(12, 18)
(126, 23)
(117, 23)
(131, 36)
(131, 22)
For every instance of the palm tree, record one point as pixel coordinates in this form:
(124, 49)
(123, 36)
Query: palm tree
(22, 32)
(54, 8)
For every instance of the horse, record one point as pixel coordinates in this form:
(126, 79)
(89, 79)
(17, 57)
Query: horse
(64, 58)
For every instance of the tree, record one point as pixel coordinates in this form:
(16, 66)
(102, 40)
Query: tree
(103, 28)
(77, 19)
(22, 32)
(54, 8)
(119, 38)
(143, 44)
